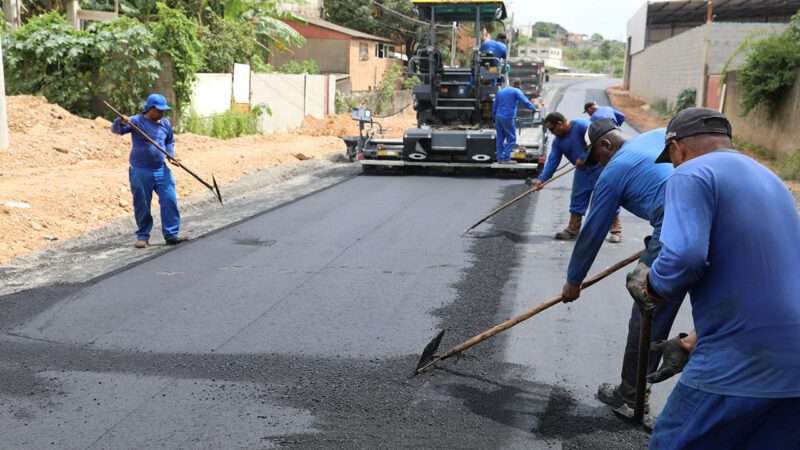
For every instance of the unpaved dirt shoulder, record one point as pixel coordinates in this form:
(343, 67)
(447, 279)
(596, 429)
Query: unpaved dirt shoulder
(110, 248)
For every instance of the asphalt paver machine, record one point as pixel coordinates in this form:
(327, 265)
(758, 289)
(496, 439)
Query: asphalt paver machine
(453, 105)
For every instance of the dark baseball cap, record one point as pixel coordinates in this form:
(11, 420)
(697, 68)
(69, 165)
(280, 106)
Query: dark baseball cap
(693, 121)
(502, 36)
(596, 130)
(588, 105)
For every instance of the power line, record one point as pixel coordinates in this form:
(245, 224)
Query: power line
(403, 16)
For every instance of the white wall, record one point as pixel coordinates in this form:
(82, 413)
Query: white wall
(637, 30)
(212, 93)
(291, 98)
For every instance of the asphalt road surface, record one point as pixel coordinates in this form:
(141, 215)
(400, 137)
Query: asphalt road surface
(300, 328)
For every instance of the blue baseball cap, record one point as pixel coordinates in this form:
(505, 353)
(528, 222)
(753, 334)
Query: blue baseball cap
(156, 101)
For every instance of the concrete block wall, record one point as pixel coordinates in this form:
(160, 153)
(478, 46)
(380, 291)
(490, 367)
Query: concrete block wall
(663, 70)
(779, 135)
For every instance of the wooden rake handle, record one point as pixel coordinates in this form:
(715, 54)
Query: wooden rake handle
(531, 312)
(517, 198)
(214, 188)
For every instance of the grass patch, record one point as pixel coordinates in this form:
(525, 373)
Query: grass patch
(788, 167)
(785, 166)
(230, 124)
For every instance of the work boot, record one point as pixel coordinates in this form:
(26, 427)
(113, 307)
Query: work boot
(616, 231)
(572, 230)
(176, 240)
(141, 243)
(609, 394)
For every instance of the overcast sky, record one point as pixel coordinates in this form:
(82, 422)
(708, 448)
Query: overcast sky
(607, 17)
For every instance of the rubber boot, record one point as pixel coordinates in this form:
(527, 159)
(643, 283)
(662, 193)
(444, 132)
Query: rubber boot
(572, 230)
(616, 231)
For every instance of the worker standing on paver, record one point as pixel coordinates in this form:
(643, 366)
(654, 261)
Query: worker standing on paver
(498, 48)
(570, 142)
(148, 171)
(631, 179)
(597, 112)
(504, 111)
(741, 386)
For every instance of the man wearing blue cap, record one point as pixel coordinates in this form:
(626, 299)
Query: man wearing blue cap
(148, 172)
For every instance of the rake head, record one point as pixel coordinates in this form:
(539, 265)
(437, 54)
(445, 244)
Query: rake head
(429, 352)
(216, 191)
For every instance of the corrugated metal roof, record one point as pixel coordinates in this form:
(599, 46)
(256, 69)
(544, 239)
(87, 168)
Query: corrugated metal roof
(344, 30)
(673, 12)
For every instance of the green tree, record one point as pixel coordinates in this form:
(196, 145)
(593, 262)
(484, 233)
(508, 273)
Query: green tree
(126, 63)
(47, 57)
(548, 30)
(770, 67)
(597, 37)
(225, 42)
(176, 37)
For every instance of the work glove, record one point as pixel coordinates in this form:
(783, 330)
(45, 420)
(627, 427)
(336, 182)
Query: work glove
(673, 358)
(636, 282)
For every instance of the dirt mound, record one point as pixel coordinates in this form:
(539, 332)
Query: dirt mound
(45, 135)
(65, 175)
(339, 125)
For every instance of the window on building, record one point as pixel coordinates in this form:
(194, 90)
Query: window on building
(384, 51)
(363, 51)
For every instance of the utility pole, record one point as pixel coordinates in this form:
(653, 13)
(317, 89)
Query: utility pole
(453, 46)
(701, 95)
(3, 120)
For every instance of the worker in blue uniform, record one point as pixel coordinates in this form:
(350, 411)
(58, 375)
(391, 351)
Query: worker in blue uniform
(630, 179)
(497, 47)
(741, 385)
(569, 142)
(148, 171)
(504, 111)
(597, 112)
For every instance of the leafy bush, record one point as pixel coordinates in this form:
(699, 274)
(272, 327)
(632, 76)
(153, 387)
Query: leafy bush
(686, 99)
(410, 82)
(225, 42)
(770, 67)
(308, 66)
(345, 104)
(127, 65)
(176, 37)
(386, 87)
(230, 124)
(788, 167)
(46, 56)
(258, 65)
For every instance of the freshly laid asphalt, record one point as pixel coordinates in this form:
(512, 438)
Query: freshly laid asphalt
(300, 327)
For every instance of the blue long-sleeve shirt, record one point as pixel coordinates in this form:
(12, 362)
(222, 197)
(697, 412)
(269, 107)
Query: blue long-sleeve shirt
(498, 49)
(632, 180)
(730, 239)
(506, 101)
(570, 146)
(607, 112)
(145, 155)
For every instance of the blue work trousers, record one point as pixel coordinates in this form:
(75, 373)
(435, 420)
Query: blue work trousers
(662, 321)
(694, 419)
(506, 138)
(143, 183)
(582, 186)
